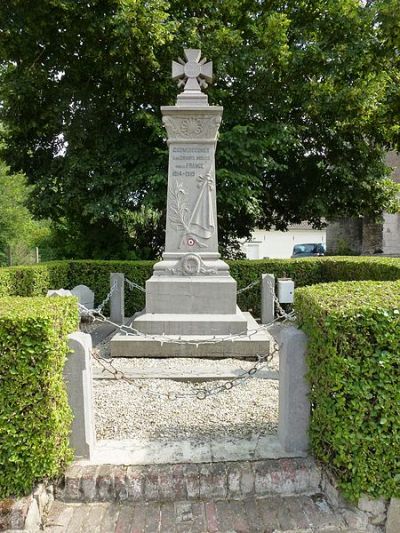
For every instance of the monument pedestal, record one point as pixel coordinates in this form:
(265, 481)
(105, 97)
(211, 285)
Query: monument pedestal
(248, 345)
(191, 292)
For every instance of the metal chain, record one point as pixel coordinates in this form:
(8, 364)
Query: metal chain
(199, 393)
(249, 286)
(165, 339)
(280, 310)
(132, 285)
(100, 308)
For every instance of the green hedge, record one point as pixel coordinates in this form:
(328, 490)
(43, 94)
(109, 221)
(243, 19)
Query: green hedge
(34, 413)
(96, 275)
(37, 279)
(33, 280)
(354, 371)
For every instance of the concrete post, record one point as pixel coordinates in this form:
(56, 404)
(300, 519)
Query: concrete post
(117, 300)
(267, 298)
(294, 405)
(78, 379)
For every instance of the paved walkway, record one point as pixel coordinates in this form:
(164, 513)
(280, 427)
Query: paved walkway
(305, 514)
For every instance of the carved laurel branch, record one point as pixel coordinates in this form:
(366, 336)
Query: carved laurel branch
(178, 208)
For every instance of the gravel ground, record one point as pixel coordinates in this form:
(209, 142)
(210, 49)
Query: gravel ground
(124, 410)
(142, 410)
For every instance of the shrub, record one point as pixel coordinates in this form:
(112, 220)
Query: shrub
(37, 279)
(7, 282)
(359, 268)
(96, 275)
(354, 371)
(34, 413)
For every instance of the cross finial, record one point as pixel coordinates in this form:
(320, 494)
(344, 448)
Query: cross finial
(193, 74)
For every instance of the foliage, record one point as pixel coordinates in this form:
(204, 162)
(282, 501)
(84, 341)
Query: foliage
(19, 233)
(354, 362)
(36, 280)
(310, 93)
(34, 414)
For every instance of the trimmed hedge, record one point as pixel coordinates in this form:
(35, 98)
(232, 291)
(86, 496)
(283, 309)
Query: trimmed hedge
(96, 275)
(34, 414)
(354, 371)
(354, 335)
(37, 279)
(33, 280)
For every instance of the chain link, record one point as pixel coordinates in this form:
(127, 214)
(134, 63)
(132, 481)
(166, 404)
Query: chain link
(249, 286)
(165, 339)
(132, 285)
(100, 308)
(198, 393)
(281, 312)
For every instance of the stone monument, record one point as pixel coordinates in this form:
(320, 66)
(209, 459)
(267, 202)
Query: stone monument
(191, 291)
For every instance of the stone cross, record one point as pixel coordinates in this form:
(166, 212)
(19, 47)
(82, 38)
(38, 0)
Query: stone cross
(194, 73)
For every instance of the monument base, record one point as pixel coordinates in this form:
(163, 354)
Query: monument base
(191, 324)
(191, 295)
(249, 345)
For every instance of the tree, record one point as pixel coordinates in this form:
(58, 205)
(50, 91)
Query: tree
(19, 233)
(309, 94)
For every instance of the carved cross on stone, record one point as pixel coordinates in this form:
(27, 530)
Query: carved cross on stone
(194, 73)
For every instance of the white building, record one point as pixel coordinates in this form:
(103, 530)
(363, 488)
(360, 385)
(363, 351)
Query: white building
(279, 244)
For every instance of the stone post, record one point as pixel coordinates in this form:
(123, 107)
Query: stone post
(78, 379)
(117, 300)
(267, 298)
(294, 405)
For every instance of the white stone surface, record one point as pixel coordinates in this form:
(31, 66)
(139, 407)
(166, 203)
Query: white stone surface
(85, 295)
(191, 279)
(146, 452)
(78, 379)
(193, 324)
(253, 342)
(191, 295)
(58, 292)
(294, 405)
(267, 298)
(117, 298)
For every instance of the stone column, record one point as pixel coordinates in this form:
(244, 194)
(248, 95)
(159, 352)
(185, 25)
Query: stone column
(117, 299)
(267, 298)
(78, 379)
(294, 405)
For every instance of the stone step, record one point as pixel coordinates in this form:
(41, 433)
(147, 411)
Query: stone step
(254, 342)
(191, 482)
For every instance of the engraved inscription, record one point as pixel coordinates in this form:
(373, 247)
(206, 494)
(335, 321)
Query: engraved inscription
(189, 161)
(197, 222)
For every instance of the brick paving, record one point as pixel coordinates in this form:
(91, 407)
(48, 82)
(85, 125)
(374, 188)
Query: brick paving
(301, 514)
(179, 482)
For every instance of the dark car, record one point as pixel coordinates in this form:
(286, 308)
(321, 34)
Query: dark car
(308, 250)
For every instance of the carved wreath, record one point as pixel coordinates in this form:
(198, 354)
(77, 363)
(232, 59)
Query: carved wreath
(191, 126)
